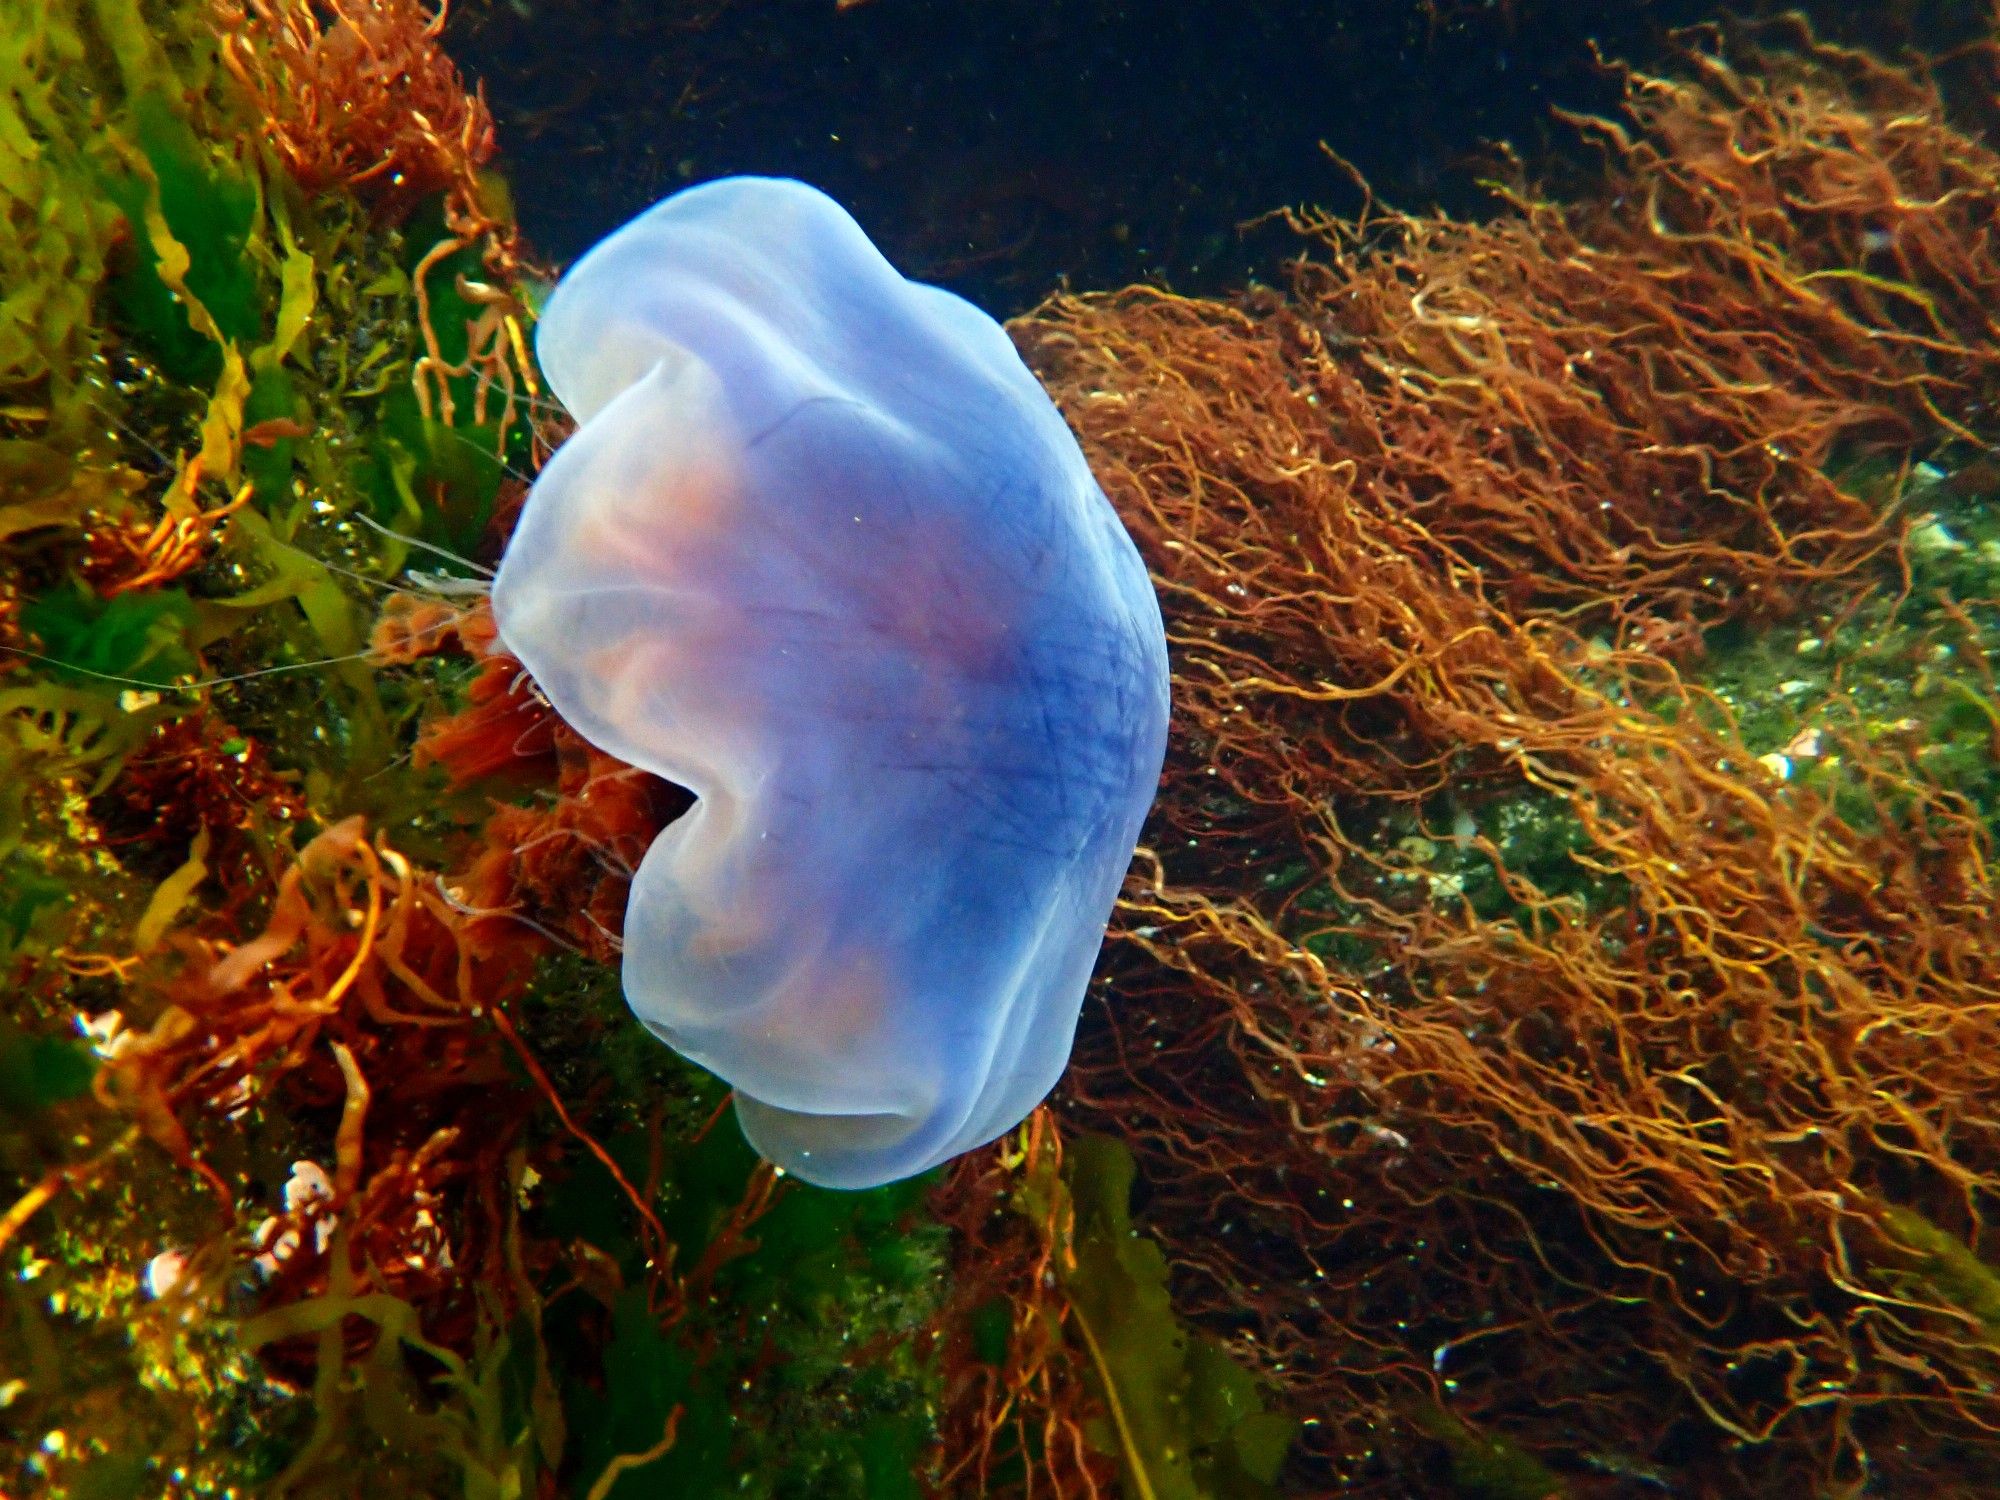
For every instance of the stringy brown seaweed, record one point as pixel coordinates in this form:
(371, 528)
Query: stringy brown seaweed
(1622, 1173)
(1017, 1422)
(367, 995)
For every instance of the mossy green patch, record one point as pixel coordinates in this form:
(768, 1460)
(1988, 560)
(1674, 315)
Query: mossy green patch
(1947, 1268)
(1186, 1421)
(39, 1072)
(441, 481)
(267, 462)
(31, 903)
(138, 639)
(194, 204)
(774, 1399)
(1484, 1467)
(798, 1368)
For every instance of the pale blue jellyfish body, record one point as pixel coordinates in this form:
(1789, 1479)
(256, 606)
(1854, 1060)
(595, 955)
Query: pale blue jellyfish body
(823, 551)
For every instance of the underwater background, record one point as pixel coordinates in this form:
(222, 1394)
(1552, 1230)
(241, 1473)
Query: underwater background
(1549, 1042)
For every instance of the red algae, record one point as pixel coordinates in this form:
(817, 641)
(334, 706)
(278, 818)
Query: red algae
(360, 94)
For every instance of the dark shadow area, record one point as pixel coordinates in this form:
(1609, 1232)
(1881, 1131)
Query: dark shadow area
(1004, 148)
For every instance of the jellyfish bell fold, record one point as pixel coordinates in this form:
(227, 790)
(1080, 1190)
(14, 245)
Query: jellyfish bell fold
(823, 551)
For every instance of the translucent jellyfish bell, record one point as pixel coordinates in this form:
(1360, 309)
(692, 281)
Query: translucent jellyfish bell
(822, 551)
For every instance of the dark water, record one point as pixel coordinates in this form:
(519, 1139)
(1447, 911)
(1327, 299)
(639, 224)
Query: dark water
(1005, 148)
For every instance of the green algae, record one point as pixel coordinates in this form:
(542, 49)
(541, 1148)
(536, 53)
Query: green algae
(273, 398)
(1489, 1468)
(1947, 1268)
(440, 482)
(1905, 669)
(208, 212)
(763, 1371)
(137, 639)
(32, 903)
(801, 1372)
(1184, 1418)
(54, 240)
(39, 1072)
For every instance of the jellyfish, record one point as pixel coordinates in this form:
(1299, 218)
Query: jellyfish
(822, 551)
